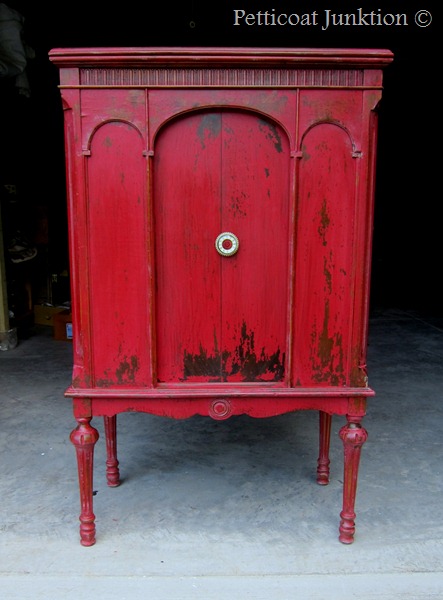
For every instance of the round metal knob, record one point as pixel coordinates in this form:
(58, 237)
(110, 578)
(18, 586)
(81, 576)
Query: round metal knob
(227, 244)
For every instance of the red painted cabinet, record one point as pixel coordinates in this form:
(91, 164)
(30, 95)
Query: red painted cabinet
(220, 222)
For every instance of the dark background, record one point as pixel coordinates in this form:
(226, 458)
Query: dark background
(406, 270)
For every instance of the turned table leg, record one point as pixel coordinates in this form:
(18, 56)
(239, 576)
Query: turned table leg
(112, 470)
(323, 457)
(84, 438)
(353, 436)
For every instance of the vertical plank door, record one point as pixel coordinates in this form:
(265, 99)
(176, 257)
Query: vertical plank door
(221, 318)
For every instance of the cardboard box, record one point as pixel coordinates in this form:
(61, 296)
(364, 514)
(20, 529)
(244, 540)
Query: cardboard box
(44, 315)
(63, 326)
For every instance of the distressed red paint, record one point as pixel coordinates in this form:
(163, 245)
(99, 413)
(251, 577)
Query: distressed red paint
(245, 363)
(168, 148)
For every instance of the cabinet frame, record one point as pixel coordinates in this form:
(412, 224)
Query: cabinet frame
(117, 103)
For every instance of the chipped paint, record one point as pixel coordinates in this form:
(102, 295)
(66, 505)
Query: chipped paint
(242, 364)
(305, 153)
(237, 204)
(127, 370)
(359, 373)
(271, 132)
(327, 354)
(202, 364)
(325, 221)
(209, 126)
(327, 273)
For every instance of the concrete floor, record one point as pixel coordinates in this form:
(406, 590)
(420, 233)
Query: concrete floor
(226, 510)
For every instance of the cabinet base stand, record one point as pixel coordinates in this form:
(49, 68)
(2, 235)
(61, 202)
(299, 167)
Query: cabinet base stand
(84, 438)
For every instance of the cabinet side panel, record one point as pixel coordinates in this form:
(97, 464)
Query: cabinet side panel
(77, 234)
(324, 261)
(118, 256)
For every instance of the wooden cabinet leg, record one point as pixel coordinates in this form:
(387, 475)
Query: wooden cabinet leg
(323, 457)
(84, 438)
(353, 436)
(112, 470)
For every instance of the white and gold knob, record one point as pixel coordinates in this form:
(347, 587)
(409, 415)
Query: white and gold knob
(227, 244)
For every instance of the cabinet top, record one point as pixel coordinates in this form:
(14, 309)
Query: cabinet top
(204, 56)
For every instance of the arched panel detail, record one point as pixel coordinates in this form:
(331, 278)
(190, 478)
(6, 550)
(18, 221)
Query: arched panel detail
(355, 149)
(111, 122)
(222, 107)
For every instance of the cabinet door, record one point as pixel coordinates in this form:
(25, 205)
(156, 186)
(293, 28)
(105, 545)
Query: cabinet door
(221, 318)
